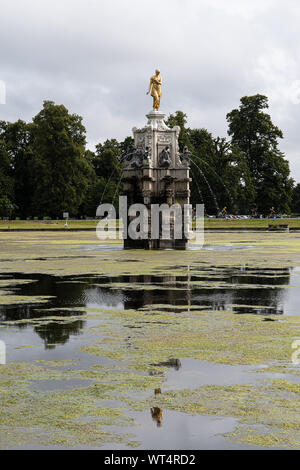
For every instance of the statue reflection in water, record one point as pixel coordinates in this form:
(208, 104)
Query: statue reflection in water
(157, 415)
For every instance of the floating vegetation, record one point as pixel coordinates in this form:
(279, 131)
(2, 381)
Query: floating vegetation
(130, 343)
(273, 406)
(19, 299)
(222, 337)
(68, 419)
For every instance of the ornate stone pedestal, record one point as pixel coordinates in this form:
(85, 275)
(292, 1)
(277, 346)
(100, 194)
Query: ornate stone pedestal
(155, 174)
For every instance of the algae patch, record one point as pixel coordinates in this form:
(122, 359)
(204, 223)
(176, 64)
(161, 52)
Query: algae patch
(138, 345)
(273, 406)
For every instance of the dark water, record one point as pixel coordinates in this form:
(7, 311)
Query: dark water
(241, 289)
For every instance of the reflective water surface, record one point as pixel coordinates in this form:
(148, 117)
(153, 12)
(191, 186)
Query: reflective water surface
(239, 289)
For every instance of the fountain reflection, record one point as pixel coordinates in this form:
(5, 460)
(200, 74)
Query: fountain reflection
(238, 289)
(242, 291)
(171, 363)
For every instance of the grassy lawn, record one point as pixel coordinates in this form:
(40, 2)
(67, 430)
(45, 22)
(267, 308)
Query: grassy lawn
(46, 224)
(90, 224)
(249, 223)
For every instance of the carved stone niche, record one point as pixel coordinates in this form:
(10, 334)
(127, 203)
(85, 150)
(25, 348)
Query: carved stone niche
(156, 136)
(164, 157)
(165, 139)
(170, 196)
(147, 196)
(169, 192)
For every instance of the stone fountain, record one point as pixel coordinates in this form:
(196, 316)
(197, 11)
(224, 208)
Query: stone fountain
(156, 173)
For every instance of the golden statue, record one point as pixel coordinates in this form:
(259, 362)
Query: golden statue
(155, 84)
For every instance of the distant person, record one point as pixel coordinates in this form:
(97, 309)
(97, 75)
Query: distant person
(224, 212)
(272, 213)
(254, 213)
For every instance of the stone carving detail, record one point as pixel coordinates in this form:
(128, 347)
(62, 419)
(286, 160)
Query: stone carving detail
(177, 130)
(168, 179)
(169, 193)
(169, 196)
(186, 156)
(156, 121)
(161, 126)
(141, 140)
(178, 162)
(164, 139)
(147, 155)
(165, 157)
(149, 139)
(146, 196)
(139, 157)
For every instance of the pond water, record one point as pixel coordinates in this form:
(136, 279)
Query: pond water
(273, 291)
(243, 290)
(64, 326)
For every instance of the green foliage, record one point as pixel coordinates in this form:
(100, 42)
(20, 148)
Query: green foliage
(180, 119)
(17, 139)
(45, 168)
(6, 180)
(106, 159)
(60, 171)
(6, 207)
(127, 146)
(105, 187)
(296, 200)
(253, 133)
(219, 169)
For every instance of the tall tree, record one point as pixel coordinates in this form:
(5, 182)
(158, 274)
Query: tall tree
(6, 182)
(296, 199)
(60, 170)
(17, 138)
(6, 179)
(253, 132)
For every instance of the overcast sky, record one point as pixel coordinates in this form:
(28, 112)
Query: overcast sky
(96, 58)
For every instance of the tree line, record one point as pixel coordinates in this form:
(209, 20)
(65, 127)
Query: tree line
(46, 169)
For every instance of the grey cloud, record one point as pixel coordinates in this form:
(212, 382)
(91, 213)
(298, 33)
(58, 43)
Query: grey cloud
(96, 57)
